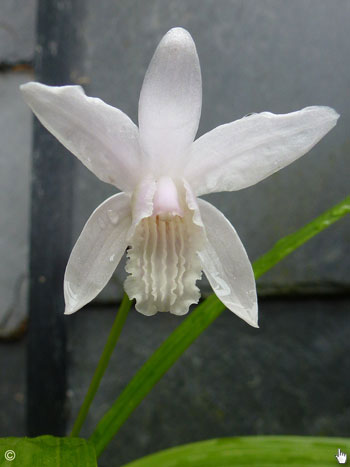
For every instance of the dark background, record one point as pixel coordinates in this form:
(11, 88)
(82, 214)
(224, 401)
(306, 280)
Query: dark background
(291, 376)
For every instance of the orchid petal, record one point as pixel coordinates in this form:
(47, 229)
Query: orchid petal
(102, 137)
(227, 266)
(170, 100)
(97, 252)
(244, 152)
(141, 203)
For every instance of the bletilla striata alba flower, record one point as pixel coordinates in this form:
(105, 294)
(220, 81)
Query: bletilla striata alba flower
(172, 235)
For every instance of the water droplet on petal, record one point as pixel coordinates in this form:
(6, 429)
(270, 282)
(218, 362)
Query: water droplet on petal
(71, 297)
(113, 216)
(221, 288)
(249, 115)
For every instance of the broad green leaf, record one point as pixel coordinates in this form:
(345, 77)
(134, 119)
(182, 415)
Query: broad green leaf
(47, 451)
(252, 451)
(195, 323)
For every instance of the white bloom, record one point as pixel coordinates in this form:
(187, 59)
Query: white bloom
(171, 234)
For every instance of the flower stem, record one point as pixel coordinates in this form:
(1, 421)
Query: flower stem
(103, 363)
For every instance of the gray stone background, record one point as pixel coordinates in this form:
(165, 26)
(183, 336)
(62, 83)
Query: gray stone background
(292, 375)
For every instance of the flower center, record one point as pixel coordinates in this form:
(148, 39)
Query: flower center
(162, 259)
(166, 202)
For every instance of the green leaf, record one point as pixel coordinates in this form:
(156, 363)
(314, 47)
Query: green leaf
(195, 323)
(252, 451)
(47, 451)
(150, 373)
(102, 364)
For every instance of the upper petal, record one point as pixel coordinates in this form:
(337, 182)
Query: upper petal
(97, 252)
(227, 266)
(102, 137)
(241, 153)
(170, 100)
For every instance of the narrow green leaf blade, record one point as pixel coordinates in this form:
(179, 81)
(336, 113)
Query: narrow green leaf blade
(102, 364)
(47, 451)
(195, 323)
(252, 451)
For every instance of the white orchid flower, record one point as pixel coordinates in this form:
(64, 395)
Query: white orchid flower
(172, 235)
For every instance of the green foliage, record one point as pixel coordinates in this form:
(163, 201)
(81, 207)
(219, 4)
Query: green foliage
(252, 451)
(103, 363)
(195, 323)
(151, 372)
(47, 451)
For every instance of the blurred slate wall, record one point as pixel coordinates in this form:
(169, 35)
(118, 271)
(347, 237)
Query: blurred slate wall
(255, 55)
(17, 42)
